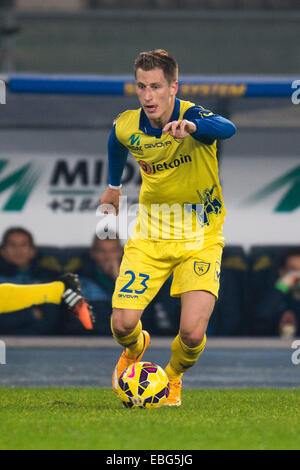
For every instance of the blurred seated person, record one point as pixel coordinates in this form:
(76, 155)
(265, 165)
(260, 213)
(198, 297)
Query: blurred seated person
(278, 312)
(161, 317)
(97, 277)
(19, 265)
(228, 318)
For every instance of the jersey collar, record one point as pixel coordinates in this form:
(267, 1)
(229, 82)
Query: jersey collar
(146, 127)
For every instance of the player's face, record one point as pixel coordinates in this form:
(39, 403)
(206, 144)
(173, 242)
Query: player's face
(156, 95)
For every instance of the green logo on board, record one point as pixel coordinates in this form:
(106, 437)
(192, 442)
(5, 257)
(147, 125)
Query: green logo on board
(290, 201)
(21, 182)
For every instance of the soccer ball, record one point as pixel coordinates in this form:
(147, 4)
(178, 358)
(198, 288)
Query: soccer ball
(143, 385)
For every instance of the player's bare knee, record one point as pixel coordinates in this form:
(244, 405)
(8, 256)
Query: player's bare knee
(121, 325)
(118, 326)
(192, 338)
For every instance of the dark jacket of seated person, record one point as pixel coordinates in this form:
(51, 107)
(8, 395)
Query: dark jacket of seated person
(278, 312)
(19, 264)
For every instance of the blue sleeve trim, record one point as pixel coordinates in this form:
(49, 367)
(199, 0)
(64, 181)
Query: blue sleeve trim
(209, 126)
(117, 157)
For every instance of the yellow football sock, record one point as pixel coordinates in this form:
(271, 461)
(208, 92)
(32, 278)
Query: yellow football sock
(134, 342)
(17, 297)
(182, 358)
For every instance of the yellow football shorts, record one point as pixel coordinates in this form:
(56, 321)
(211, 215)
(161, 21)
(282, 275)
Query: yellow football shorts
(147, 264)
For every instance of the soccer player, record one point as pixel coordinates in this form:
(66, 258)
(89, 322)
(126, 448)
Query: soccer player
(66, 290)
(174, 142)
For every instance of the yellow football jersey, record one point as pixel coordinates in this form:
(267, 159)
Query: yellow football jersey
(180, 196)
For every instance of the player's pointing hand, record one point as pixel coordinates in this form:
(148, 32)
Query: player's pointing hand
(180, 129)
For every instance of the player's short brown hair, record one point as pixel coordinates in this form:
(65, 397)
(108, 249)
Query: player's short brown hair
(158, 58)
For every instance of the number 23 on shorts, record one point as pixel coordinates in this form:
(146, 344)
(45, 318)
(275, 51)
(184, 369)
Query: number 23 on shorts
(143, 279)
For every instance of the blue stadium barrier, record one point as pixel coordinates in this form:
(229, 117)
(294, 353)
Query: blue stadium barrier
(219, 86)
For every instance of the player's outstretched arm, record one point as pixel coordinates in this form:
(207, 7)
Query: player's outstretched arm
(209, 126)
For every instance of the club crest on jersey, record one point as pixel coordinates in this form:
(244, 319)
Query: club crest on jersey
(205, 113)
(201, 267)
(211, 203)
(208, 205)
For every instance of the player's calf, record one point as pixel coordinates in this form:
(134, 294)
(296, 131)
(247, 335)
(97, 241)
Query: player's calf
(128, 357)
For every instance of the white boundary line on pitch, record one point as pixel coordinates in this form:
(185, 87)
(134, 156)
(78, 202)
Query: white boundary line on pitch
(156, 342)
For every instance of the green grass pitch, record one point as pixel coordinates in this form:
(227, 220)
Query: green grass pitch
(89, 418)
